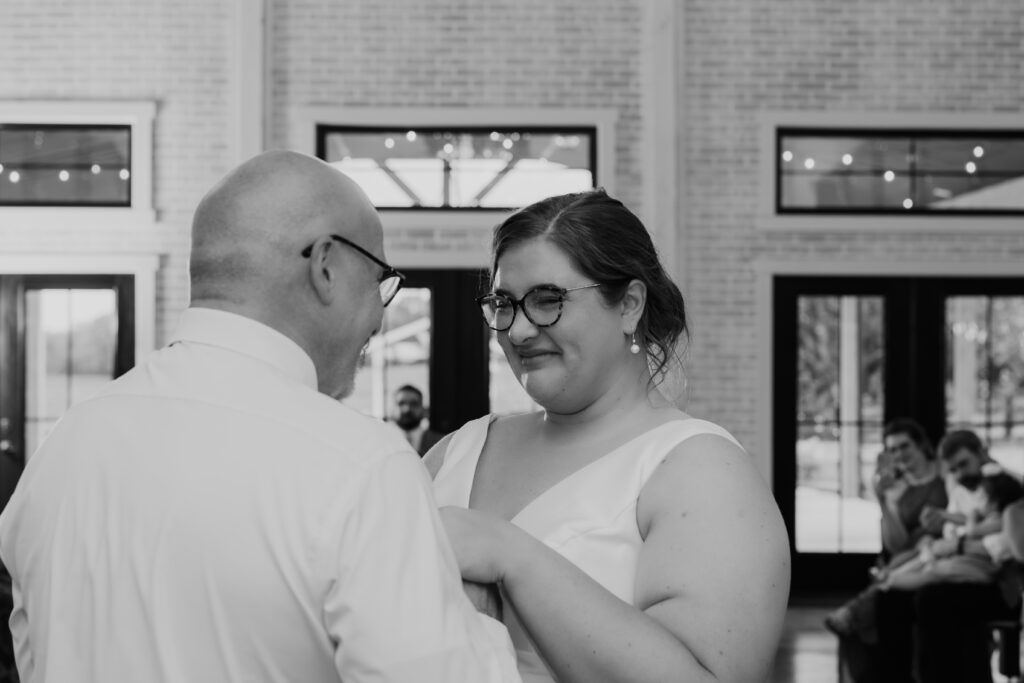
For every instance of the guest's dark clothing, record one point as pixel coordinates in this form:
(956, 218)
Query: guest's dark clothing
(939, 633)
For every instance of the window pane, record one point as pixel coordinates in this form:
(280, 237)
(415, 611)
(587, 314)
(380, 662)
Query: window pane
(428, 168)
(840, 385)
(398, 355)
(901, 171)
(60, 165)
(71, 343)
(985, 372)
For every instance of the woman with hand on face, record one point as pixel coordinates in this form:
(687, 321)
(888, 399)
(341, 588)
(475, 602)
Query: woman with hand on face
(629, 541)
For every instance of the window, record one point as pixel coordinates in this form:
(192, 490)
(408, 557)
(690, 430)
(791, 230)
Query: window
(886, 171)
(92, 158)
(840, 404)
(65, 165)
(449, 168)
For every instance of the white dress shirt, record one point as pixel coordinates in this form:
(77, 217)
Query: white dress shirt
(211, 517)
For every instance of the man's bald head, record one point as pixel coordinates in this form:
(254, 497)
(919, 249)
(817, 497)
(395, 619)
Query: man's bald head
(262, 248)
(262, 214)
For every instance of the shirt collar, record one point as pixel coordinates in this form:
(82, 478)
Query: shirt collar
(249, 337)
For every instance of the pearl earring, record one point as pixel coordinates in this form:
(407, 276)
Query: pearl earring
(634, 348)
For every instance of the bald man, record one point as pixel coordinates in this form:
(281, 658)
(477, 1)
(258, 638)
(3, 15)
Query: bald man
(216, 514)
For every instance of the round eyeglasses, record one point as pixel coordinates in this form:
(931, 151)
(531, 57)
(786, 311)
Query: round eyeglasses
(542, 306)
(390, 280)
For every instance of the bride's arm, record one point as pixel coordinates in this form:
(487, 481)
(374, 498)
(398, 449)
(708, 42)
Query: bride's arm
(712, 581)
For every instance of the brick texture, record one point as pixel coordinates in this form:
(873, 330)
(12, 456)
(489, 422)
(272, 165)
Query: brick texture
(173, 53)
(742, 57)
(736, 59)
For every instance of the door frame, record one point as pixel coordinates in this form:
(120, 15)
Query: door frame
(954, 280)
(13, 330)
(458, 375)
(142, 267)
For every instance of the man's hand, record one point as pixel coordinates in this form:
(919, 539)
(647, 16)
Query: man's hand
(485, 597)
(932, 519)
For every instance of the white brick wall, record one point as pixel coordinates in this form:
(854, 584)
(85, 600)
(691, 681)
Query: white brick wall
(173, 53)
(456, 54)
(741, 58)
(737, 59)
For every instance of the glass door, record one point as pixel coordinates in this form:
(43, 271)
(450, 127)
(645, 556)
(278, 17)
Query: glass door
(840, 407)
(61, 339)
(434, 338)
(984, 380)
(851, 354)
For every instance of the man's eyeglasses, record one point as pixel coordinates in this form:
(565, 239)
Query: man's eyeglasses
(542, 306)
(390, 280)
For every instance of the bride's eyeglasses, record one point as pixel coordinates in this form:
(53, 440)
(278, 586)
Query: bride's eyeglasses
(542, 306)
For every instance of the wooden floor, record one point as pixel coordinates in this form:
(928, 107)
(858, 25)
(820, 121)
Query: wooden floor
(808, 652)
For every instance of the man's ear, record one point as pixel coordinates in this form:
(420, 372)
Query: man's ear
(633, 304)
(323, 271)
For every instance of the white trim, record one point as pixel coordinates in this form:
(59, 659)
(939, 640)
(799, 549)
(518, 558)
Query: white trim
(248, 97)
(768, 219)
(894, 268)
(138, 114)
(142, 266)
(661, 189)
(483, 219)
(821, 223)
(765, 273)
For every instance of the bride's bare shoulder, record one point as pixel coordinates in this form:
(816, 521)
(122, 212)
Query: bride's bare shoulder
(514, 426)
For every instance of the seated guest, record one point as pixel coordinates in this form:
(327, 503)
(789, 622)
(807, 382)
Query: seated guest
(907, 482)
(939, 632)
(953, 560)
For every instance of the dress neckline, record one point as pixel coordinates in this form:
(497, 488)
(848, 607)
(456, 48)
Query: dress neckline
(561, 483)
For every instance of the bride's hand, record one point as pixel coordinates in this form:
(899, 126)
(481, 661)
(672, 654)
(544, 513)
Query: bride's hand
(480, 541)
(485, 597)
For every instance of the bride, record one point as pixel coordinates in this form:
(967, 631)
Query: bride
(629, 541)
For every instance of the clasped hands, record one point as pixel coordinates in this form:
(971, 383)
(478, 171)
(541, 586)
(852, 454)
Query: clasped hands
(482, 544)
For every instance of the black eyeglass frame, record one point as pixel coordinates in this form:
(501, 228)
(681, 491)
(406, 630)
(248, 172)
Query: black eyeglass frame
(388, 272)
(520, 303)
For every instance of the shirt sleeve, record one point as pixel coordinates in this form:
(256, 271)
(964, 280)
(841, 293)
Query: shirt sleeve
(23, 656)
(395, 609)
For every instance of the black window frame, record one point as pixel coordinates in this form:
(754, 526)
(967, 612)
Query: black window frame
(893, 133)
(324, 130)
(125, 127)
